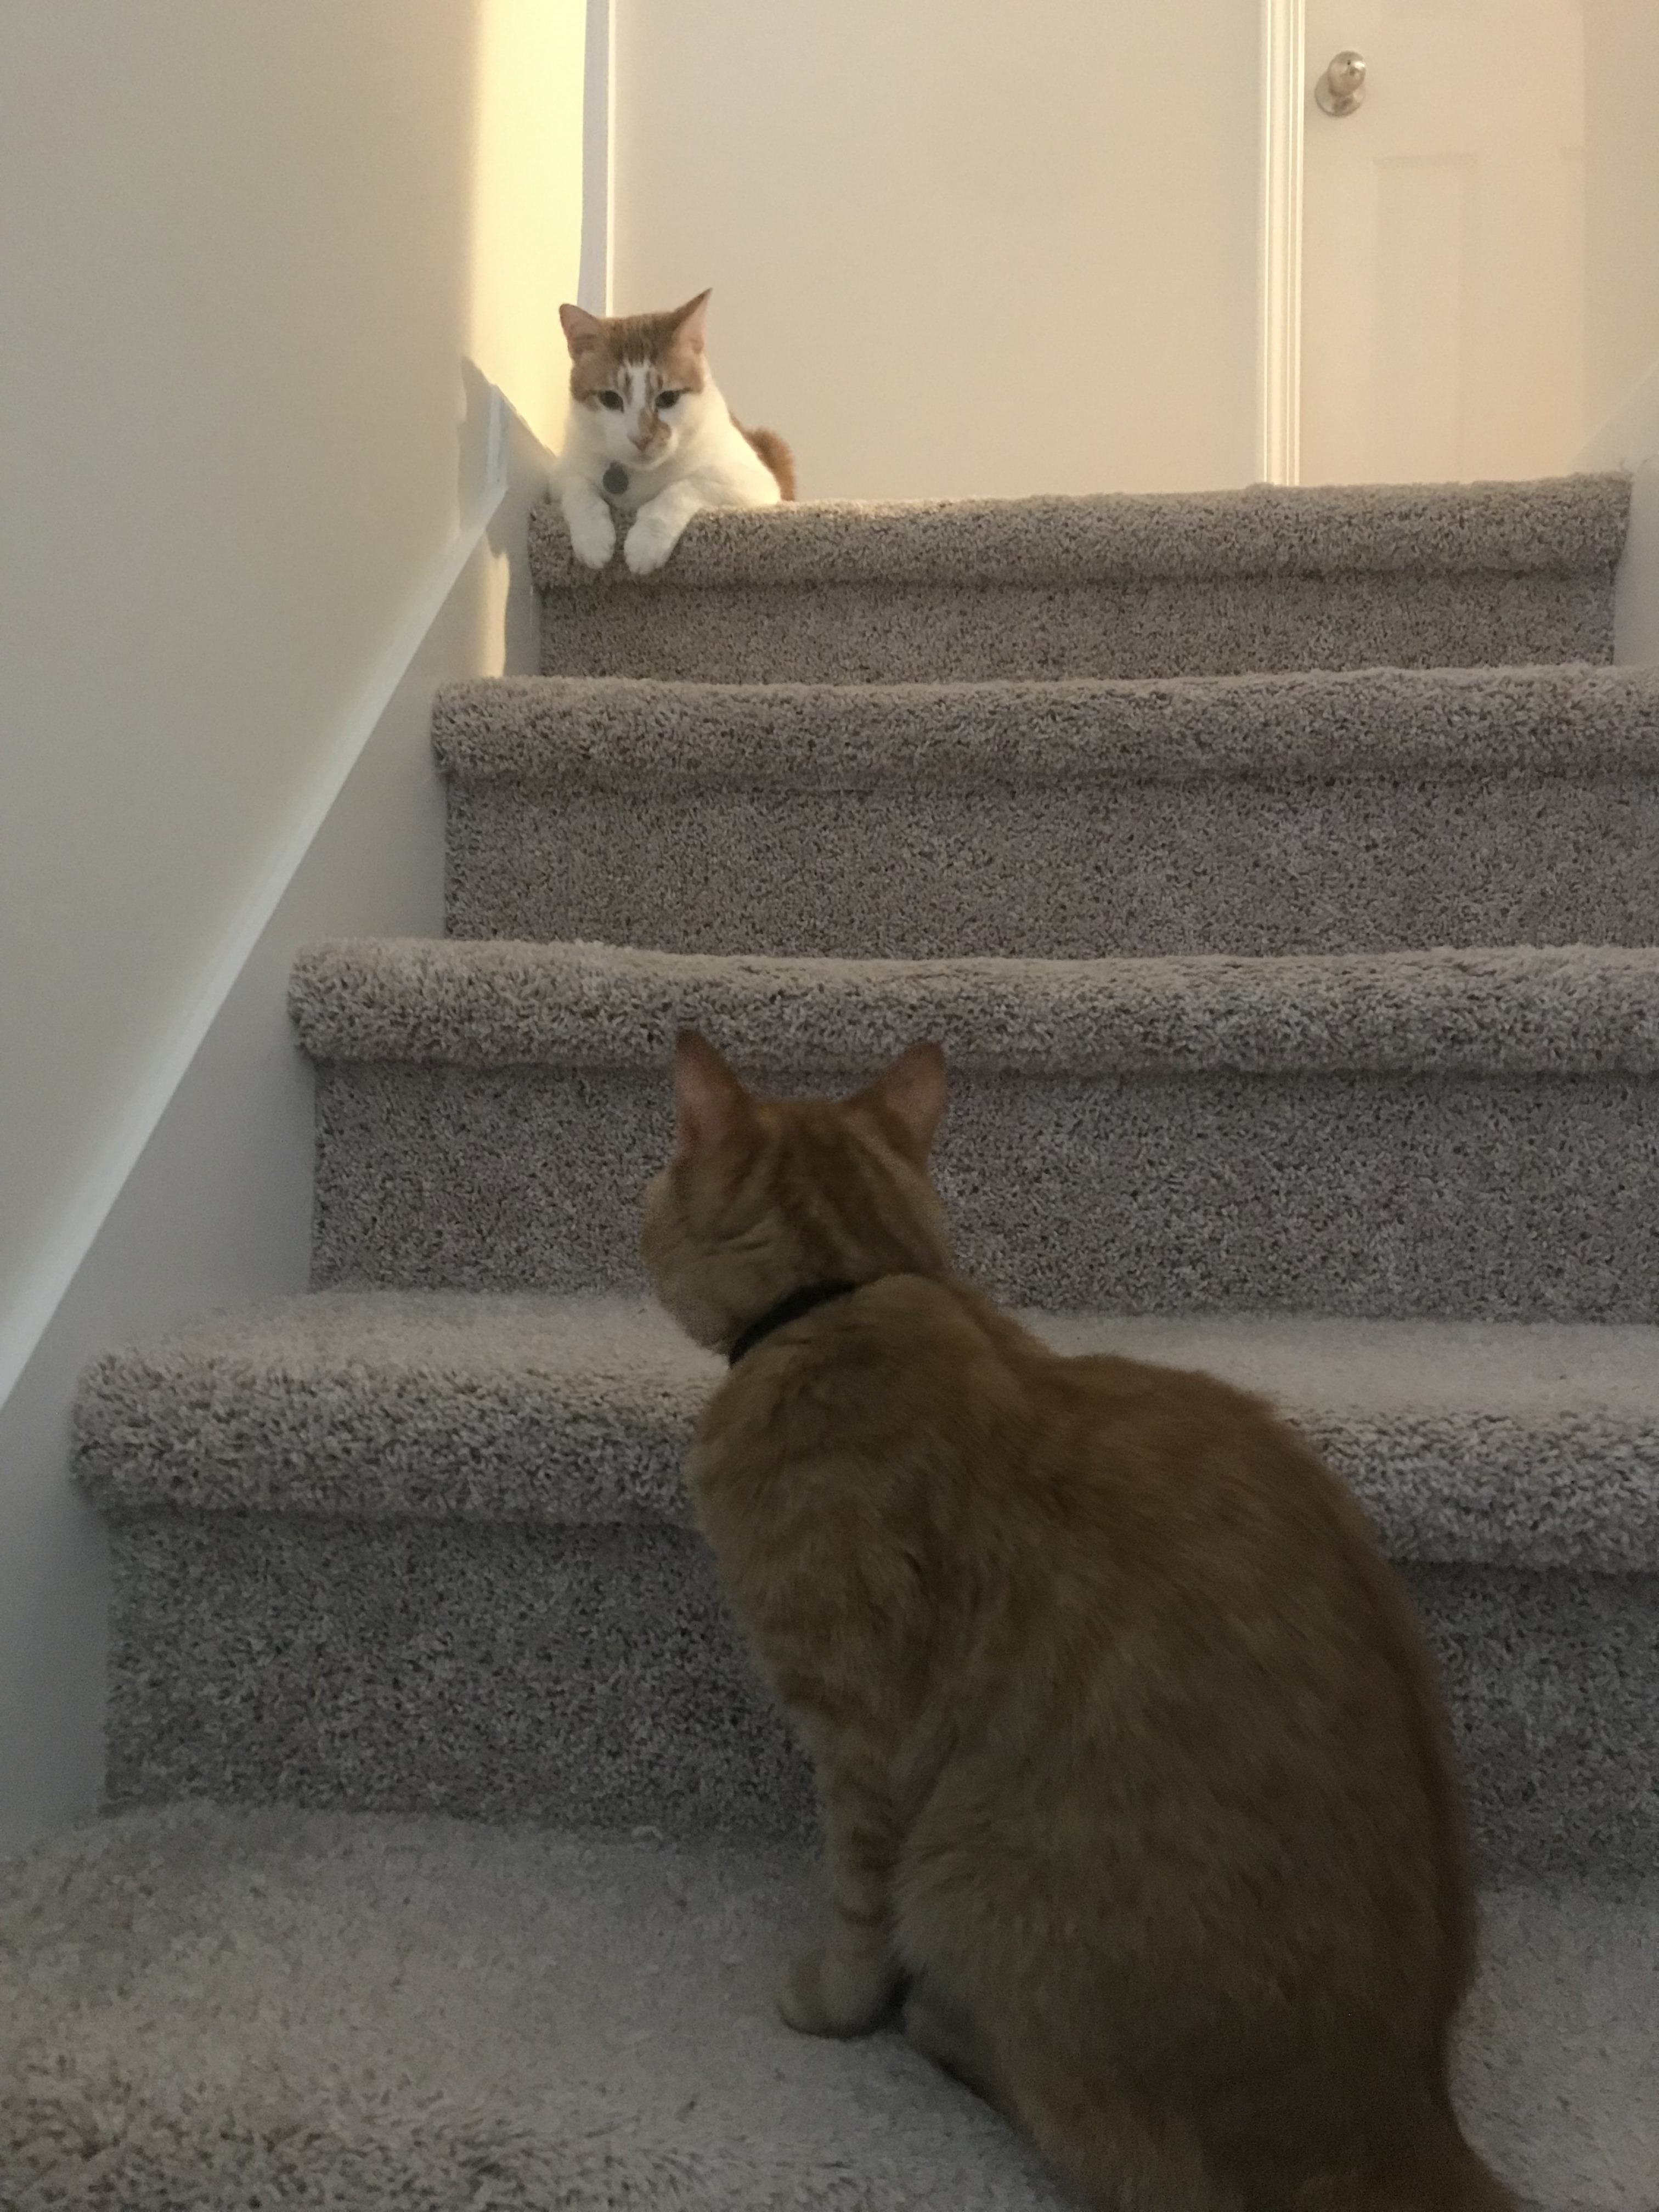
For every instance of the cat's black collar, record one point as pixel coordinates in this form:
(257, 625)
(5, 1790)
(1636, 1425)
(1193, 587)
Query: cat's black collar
(798, 1303)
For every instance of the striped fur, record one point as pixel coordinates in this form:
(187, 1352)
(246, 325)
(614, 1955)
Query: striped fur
(1136, 1781)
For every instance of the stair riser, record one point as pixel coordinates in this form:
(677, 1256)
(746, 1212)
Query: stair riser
(1362, 864)
(926, 633)
(593, 1677)
(1368, 1195)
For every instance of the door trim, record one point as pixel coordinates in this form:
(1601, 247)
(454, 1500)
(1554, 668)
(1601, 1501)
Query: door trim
(595, 285)
(1284, 31)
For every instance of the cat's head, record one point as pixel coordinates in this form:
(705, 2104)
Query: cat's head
(762, 1196)
(638, 382)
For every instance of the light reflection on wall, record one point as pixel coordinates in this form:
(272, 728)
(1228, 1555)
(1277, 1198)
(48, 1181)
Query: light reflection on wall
(527, 199)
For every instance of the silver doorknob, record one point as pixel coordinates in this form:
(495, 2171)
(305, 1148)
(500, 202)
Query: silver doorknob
(1342, 87)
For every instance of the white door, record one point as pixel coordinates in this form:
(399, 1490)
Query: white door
(1443, 242)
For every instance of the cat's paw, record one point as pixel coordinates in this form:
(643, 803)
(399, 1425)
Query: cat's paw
(825, 1992)
(593, 536)
(649, 543)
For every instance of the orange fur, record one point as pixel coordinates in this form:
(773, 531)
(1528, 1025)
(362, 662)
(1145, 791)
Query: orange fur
(776, 456)
(1136, 1785)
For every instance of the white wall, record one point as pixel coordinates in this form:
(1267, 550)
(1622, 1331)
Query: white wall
(256, 265)
(1621, 289)
(1621, 201)
(958, 246)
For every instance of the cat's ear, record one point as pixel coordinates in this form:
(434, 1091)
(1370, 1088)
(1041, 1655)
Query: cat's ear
(914, 1093)
(582, 331)
(691, 321)
(711, 1106)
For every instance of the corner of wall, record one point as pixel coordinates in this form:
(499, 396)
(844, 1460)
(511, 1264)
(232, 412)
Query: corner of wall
(1636, 602)
(1629, 439)
(527, 467)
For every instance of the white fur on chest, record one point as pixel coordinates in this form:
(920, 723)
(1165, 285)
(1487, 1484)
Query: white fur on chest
(707, 463)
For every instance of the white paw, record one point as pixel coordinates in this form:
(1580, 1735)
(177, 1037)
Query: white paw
(648, 545)
(592, 537)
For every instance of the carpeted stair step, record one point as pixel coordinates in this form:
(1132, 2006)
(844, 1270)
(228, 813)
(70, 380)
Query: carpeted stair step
(1414, 575)
(1471, 1133)
(1373, 810)
(414, 2015)
(432, 1552)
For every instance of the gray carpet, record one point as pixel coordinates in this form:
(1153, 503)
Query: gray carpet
(1167, 1135)
(1523, 1446)
(1457, 723)
(1557, 527)
(1376, 810)
(433, 1552)
(224, 2012)
(1277, 867)
(1559, 1011)
(1201, 584)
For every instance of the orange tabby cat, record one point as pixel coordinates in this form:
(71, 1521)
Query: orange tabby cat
(1136, 1783)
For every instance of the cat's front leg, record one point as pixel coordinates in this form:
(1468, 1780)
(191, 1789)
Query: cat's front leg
(589, 521)
(657, 528)
(848, 1984)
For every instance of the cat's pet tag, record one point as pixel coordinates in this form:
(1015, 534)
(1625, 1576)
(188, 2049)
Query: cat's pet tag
(615, 480)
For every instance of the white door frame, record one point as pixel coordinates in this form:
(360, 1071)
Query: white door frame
(599, 255)
(1280, 372)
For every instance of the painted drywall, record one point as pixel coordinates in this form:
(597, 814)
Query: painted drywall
(255, 267)
(957, 247)
(1621, 202)
(528, 199)
(245, 253)
(216, 1212)
(1621, 290)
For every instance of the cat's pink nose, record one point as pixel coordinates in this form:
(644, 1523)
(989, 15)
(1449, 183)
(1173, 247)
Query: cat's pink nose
(641, 442)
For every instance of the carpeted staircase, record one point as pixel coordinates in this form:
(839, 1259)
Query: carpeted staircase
(1282, 871)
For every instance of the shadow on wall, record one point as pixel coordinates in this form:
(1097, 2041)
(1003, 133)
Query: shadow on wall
(494, 439)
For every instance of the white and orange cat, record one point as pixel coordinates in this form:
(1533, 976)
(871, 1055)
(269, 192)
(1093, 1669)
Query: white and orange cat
(1137, 1786)
(651, 438)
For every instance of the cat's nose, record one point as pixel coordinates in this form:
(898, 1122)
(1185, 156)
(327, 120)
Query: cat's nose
(639, 440)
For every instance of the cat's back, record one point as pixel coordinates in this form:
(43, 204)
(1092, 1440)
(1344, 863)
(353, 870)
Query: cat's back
(929, 1375)
(1165, 1529)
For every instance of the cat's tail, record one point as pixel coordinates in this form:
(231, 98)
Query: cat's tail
(1120, 2147)
(776, 455)
(1114, 2148)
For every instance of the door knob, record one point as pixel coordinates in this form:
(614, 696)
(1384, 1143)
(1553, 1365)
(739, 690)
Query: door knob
(1342, 87)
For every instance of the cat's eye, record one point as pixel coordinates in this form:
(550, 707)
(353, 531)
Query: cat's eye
(612, 400)
(667, 399)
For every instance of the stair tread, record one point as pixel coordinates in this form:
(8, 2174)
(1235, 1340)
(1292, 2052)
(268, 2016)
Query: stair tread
(1514, 1444)
(1556, 526)
(1506, 1010)
(633, 734)
(282, 2005)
